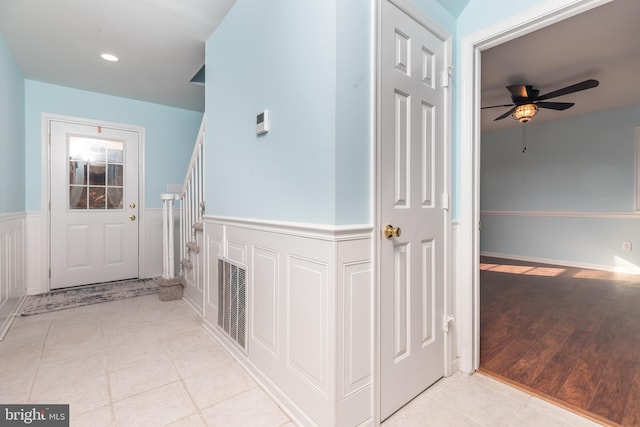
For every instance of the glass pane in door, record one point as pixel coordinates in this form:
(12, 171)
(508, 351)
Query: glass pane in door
(96, 173)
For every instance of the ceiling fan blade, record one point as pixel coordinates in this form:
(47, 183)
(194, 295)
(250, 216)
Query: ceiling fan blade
(587, 84)
(555, 105)
(505, 115)
(496, 106)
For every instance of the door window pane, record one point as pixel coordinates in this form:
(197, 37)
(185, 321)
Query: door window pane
(114, 198)
(96, 198)
(96, 173)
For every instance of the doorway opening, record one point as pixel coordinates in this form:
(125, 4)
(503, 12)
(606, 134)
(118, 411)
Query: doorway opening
(93, 192)
(497, 267)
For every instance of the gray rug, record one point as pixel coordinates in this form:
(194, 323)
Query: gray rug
(86, 295)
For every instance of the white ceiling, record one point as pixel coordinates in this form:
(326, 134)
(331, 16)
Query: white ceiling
(160, 44)
(603, 44)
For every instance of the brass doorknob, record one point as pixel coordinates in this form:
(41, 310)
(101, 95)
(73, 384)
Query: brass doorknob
(132, 217)
(132, 205)
(391, 231)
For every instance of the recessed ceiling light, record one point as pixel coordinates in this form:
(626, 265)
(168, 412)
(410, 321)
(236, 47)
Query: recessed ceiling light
(109, 57)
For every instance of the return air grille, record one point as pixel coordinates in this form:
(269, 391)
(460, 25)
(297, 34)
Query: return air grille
(232, 300)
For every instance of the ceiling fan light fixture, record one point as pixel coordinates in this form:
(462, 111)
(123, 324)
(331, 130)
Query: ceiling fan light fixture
(525, 112)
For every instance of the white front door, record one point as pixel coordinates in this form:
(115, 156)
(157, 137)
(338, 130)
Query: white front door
(412, 186)
(94, 198)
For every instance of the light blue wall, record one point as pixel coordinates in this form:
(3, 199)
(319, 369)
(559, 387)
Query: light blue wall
(581, 164)
(353, 137)
(477, 15)
(435, 11)
(480, 14)
(278, 55)
(170, 133)
(585, 164)
(309, 63)
(11, 133)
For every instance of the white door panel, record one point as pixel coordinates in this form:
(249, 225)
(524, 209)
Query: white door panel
(412, 175)
(94, 198)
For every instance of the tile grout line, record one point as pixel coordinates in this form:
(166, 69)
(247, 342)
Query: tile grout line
(42, 348)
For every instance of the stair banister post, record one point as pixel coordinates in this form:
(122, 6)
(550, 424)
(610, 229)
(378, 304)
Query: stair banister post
(167, 235)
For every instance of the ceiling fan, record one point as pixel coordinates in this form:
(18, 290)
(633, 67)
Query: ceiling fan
(527, 101)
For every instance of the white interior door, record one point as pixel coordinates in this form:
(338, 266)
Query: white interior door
(412, 187)
(94, 198)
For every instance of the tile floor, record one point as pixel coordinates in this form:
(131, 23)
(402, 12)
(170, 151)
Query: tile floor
(142, 362)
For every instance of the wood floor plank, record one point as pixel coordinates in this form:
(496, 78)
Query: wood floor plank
(571, 334)
(554, 374)
(531, 364)
(610, 401)
(581, 384)
(510, 354)
(632, 409)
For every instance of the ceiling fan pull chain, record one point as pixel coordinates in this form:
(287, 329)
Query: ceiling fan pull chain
(524, 137)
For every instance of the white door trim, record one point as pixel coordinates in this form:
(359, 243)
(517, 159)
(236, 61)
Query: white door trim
(45, 188)
(468, 249)
(441, 33)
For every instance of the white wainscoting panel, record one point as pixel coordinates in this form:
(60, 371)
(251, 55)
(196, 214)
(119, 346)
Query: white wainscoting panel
(265, 318)
(213, 248)
(153, 243)
(355, 332)
(37, 265)
(307, 321)
(12, 267)
(310, 308)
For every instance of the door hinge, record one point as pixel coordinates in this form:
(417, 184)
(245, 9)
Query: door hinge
(446, 319)
(445, 201)
(446, 77)
(49, 273)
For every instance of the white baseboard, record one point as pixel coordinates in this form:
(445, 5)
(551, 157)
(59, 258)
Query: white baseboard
(9, 310)
(561, 262)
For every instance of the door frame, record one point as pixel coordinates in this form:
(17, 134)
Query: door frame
(467, 256)
(447, 39)
(45, 187)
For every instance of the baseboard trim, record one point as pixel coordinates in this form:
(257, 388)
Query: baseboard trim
(560, 262)
(14, 312)
(553, 214)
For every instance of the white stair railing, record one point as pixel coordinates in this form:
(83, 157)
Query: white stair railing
(168, 224)
(191, 212)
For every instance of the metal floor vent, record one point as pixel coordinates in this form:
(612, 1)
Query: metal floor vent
(232, 300)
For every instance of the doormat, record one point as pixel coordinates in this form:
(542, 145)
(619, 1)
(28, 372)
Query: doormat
(90, 294)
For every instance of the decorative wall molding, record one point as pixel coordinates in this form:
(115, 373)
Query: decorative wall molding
(558, 214)
(312, 231)
(12, 268)
(310, 313)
